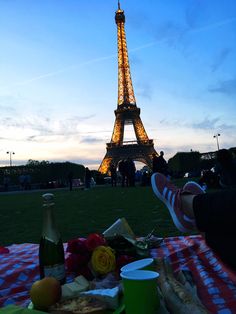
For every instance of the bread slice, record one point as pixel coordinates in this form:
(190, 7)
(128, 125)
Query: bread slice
(79, 305)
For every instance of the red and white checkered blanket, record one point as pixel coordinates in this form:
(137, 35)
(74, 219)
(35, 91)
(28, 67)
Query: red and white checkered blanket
(216, 284)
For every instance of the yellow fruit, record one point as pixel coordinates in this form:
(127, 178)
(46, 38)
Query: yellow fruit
(45, 293)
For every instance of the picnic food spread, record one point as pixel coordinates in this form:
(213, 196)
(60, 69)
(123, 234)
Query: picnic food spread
(97, 262)
(188, 255)
(176, 294)
(94, 266)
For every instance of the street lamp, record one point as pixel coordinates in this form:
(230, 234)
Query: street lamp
(217, 141)
(10, 154)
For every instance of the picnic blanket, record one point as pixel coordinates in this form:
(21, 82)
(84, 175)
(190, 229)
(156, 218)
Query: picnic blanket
(216, 284)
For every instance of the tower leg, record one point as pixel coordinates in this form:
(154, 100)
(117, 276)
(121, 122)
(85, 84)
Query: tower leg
(105, 165)
(140, 132)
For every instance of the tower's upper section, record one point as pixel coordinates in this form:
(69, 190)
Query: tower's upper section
(126, 98)
(120, 16)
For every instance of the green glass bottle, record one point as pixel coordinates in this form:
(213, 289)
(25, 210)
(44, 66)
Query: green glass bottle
(51, 250)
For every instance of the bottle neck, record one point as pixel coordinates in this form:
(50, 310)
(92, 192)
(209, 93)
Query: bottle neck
(50, 231)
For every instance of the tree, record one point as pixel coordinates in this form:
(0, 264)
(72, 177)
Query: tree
(32, 162)
(185, 162)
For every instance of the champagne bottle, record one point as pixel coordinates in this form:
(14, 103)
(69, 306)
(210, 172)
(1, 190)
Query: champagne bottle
(51, 250)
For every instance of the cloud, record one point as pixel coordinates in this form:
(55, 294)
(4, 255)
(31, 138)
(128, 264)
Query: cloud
(193, 13)
(91, 140)
(134, 59)
(8, 102)
(6, 108)
(206, 124)
(144, 90)
(34, 123)
(174, 33)
(227, 127)
(39, 128)
(137, 23)
(171, 32)
(59, 71)
(86, 161)
(212, 124)
(227, 87)
(171, 123)
(213, 25)
(220, 59)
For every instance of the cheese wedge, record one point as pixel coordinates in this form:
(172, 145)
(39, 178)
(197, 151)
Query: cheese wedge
(82, 281)
(73, 289)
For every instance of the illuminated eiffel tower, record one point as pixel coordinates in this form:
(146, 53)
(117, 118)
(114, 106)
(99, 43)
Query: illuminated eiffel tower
(127, 112)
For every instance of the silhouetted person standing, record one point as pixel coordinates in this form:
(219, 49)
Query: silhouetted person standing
(6, 181)
(161, 164)
(226, 169)
(113, 175)
(27, 181)
(154, 163)
(121, 168)
(87, 178)
(130, 170)
(70, 180)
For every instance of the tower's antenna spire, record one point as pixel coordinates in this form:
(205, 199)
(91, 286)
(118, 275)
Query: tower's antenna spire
(118, 4)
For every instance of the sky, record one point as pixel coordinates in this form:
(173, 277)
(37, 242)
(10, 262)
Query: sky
(59, 76)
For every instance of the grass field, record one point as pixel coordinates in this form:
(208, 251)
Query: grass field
(80, 212)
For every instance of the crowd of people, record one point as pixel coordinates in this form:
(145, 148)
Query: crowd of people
(24, 182)
(222, 175)
(126, 172)
(126, 169)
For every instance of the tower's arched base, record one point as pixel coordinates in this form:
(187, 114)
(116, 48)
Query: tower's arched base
(139, 152)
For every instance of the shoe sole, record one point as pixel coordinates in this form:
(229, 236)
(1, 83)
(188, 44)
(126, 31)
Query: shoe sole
(196, 184)
(168, 205)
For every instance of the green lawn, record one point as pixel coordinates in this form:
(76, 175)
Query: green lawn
(79, 213)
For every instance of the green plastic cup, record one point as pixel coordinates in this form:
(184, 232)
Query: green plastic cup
(140, 292)
(141, 264)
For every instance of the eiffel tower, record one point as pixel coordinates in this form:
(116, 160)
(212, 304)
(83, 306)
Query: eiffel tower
(127, 112)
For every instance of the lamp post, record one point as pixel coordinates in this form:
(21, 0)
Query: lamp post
(10, 154)
(217, 140)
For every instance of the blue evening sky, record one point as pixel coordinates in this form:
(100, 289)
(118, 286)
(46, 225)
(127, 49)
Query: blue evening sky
(58, 76)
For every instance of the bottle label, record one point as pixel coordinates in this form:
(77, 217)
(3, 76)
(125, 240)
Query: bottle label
(57, 271)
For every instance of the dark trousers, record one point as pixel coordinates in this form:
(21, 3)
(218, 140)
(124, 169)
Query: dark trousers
(215, 214)
(70, 185)
(113, 180)
(123, 180)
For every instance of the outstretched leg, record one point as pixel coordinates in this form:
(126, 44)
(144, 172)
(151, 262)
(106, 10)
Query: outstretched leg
(211, 213)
